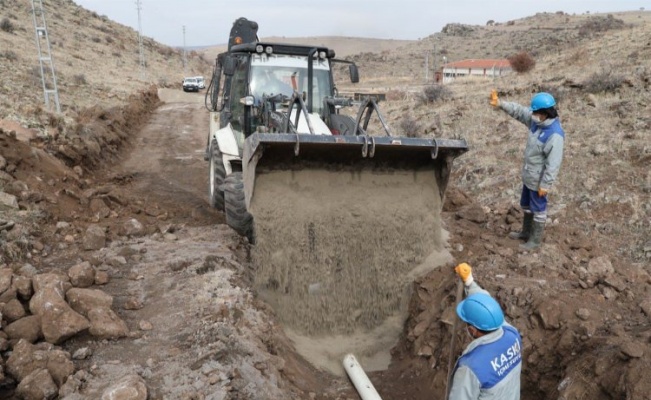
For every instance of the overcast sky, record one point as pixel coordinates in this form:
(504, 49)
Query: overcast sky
(208, 22)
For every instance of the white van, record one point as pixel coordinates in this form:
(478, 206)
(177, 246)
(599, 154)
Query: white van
(201, 82)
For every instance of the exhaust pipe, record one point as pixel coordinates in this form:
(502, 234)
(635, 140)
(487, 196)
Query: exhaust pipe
(360, 380)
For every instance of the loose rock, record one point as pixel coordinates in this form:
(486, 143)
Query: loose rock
(84, 300)
(105, 324)
(82, 275)
(28, 328)
(95, 238)
(131, 387)
(38, 386)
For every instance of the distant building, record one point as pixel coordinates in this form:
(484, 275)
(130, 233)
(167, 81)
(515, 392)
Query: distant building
(486, 68)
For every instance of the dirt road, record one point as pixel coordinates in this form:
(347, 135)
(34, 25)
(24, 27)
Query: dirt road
(197, 332)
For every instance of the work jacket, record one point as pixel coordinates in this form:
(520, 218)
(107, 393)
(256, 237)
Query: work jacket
(544, 151)
(489, 368)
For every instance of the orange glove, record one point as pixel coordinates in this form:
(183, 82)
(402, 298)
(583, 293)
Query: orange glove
(495, 100)
(542, 192)
(465, 273)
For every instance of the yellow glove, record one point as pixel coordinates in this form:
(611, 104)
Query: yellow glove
(542, 192)
(465, 273)
(495, 100)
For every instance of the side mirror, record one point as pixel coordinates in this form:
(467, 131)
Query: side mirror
(229, 66)
(354, 73)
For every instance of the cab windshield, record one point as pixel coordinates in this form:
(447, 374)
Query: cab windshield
(284, 74)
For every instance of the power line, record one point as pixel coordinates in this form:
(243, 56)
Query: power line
(185, 56)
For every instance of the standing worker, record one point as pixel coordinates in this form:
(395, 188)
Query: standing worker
(490, 366)
(542, 161)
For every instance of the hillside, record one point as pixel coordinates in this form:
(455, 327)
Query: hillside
(96, 61)
(343, 46)
(540, 35)
(116, 276)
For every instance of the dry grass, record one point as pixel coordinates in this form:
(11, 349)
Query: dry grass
(604, 104)
(605, 81)
(434, 93)
(410, 126)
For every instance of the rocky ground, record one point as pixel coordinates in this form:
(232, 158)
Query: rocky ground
(158, 289)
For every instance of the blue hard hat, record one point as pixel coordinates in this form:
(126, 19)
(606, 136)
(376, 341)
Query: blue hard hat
(481, 311)
(542, 100)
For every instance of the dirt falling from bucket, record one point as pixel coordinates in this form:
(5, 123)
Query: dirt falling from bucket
(336, 252)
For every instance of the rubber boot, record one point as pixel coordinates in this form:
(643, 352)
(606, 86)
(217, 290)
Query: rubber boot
(527, 223)
(536, 236)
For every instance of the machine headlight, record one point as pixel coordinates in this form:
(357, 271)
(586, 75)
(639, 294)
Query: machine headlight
(269, 50)
(322, 54)
(247, 101)
(259, 48)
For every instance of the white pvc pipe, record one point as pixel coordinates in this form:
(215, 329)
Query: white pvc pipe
(360, 380)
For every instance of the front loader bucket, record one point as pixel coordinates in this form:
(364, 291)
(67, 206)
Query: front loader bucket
(343, 225)
(265, 152)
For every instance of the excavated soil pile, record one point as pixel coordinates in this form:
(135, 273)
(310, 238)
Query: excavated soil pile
(335, 253)
(583, 316)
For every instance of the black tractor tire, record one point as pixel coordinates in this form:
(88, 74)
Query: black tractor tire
(237, 217)
(216, 177)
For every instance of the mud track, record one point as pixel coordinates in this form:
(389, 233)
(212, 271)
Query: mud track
(197, 332)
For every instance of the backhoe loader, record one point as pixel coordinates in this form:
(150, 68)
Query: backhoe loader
(275, 106)
(343, 215)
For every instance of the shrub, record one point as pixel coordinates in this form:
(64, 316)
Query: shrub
(410, 126)
(579, 57)
(522, 62)
(456, 29)
(435, 93)
(603, 82)
(600, 24)
(96, 39)
(7, 26)
(56, 121)
(35, 72)
(9, 55)
(79, 79)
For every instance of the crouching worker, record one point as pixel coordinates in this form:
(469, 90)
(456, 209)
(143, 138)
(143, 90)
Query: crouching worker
(490, 366)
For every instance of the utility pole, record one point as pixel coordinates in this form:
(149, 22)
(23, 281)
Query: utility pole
(48, 75)
(434, 61)
(143, 66)
(185, 61)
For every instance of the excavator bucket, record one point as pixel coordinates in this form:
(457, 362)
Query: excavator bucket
(264, 152)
